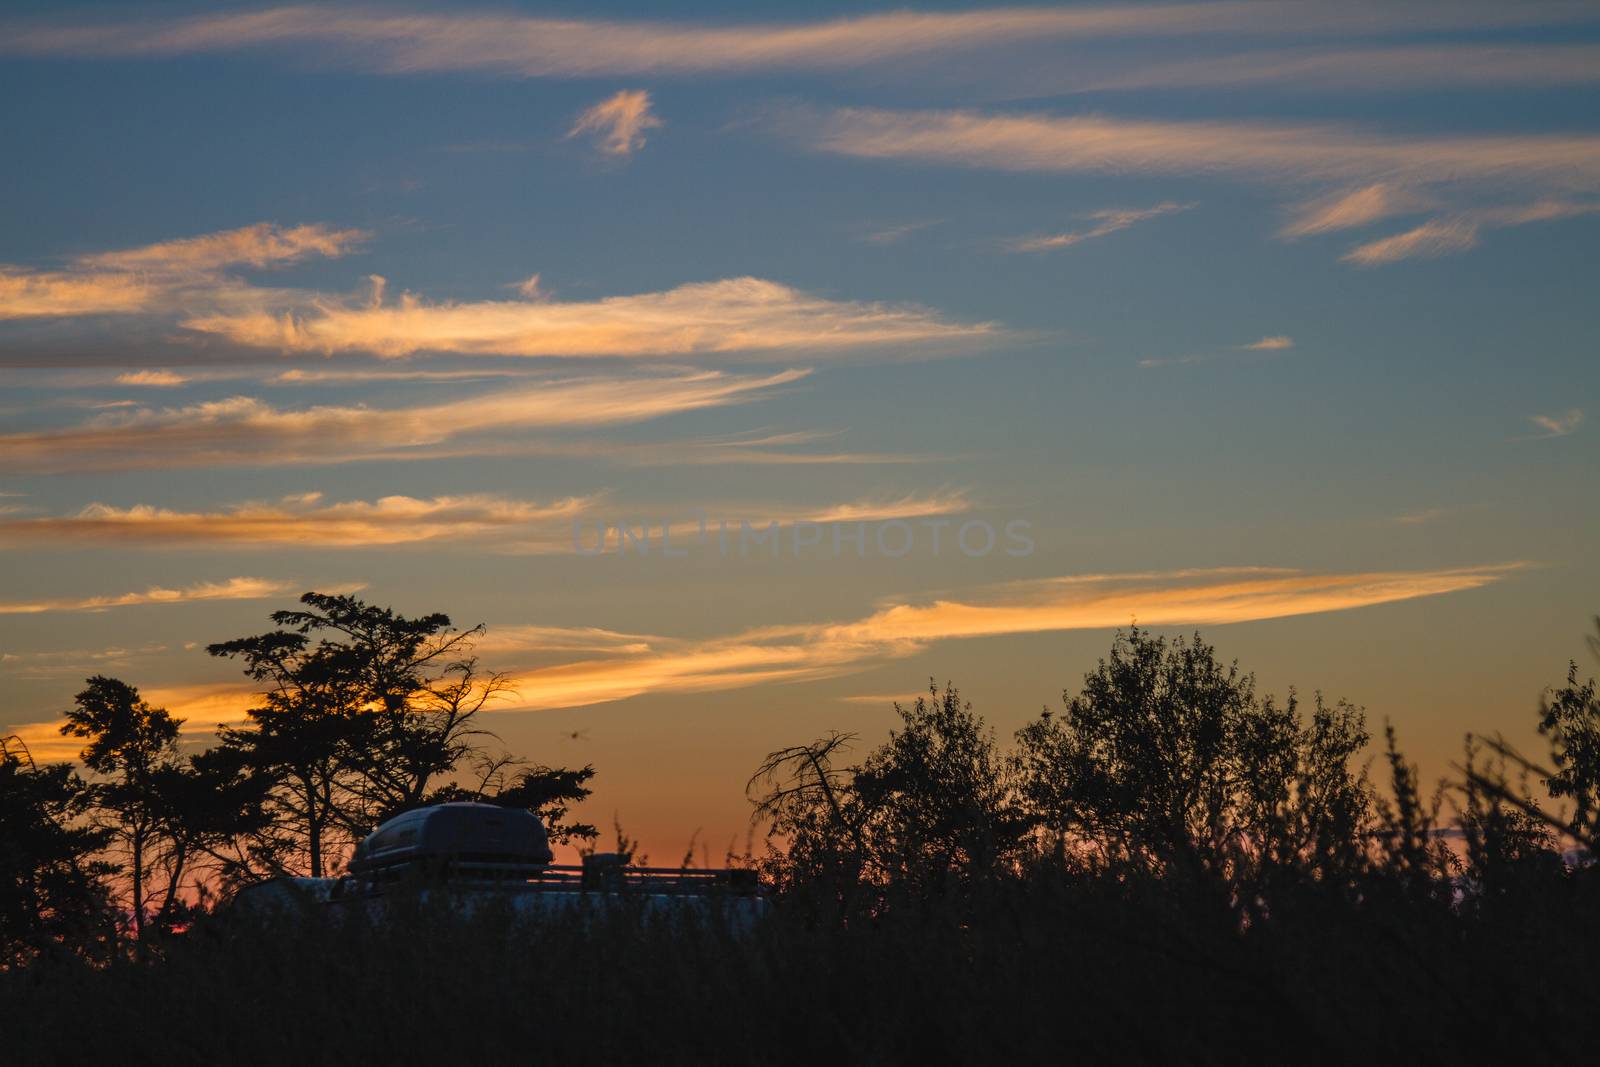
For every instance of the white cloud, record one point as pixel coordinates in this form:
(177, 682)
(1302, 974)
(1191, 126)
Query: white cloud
(1559, 424)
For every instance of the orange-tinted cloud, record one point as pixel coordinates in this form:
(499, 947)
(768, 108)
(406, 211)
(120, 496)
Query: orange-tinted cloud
(1105, 222)
(232, 589)
(203, 708)
(1255, 150)
(160, 276)
(791, 653)
(1447, 236)
(617, 125)
(1354, 207)
(514, 525)
(57, 294)
(1369, 69)
(734, 315)
(624, 665)
(260, 245)
(244, 431)
(298, 521)
(1428, 241)
(533, 46)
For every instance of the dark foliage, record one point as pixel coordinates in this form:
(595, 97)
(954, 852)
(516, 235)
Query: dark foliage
(1172, 868)
(367, 714)
(52, 897)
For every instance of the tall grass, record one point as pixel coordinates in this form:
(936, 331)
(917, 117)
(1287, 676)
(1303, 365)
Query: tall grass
(1058, 966)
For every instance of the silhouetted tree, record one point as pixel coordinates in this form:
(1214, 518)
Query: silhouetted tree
(210, 810)
(1412, 852)
(365, 709)
(52, 893)
(367, 714)
(1167, 759)
(1570, 718)
(931, 806)
(548, 792)
(808, 803)
(935, 797)
(134, 745)
(1507, 853)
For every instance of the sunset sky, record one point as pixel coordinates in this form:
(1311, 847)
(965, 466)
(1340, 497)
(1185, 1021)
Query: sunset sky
(1276, 320)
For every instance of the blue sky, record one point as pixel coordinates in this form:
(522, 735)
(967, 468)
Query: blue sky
(1297, 296)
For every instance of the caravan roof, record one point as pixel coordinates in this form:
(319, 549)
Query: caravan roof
(458, 831)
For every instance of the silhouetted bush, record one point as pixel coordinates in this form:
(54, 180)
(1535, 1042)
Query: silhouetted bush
(1172, 869)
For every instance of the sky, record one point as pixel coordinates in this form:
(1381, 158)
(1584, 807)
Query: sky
(905, 344)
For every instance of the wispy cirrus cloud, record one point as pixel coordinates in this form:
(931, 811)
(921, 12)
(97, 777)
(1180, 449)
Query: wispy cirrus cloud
(305, 520)
(1266, 347)
(889, 235)
(1090, 144)
(653, 664)
(352, 375)
(1428, 241)
(309, 521)
(1460, 233)
(1381, 69)
(158, 277)
(232, 589)
(261, 245)
(157, 378)
(619, 666)
(242, 430)
(1106, 222)
(618, 123)
(1559, 424)
(1374, 175)
(1351, 208)
(26, 294)
(541, 47)
(705, 318)
(80, 661)
(1419, 518)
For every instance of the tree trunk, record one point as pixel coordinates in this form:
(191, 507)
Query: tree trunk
(138, 885)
